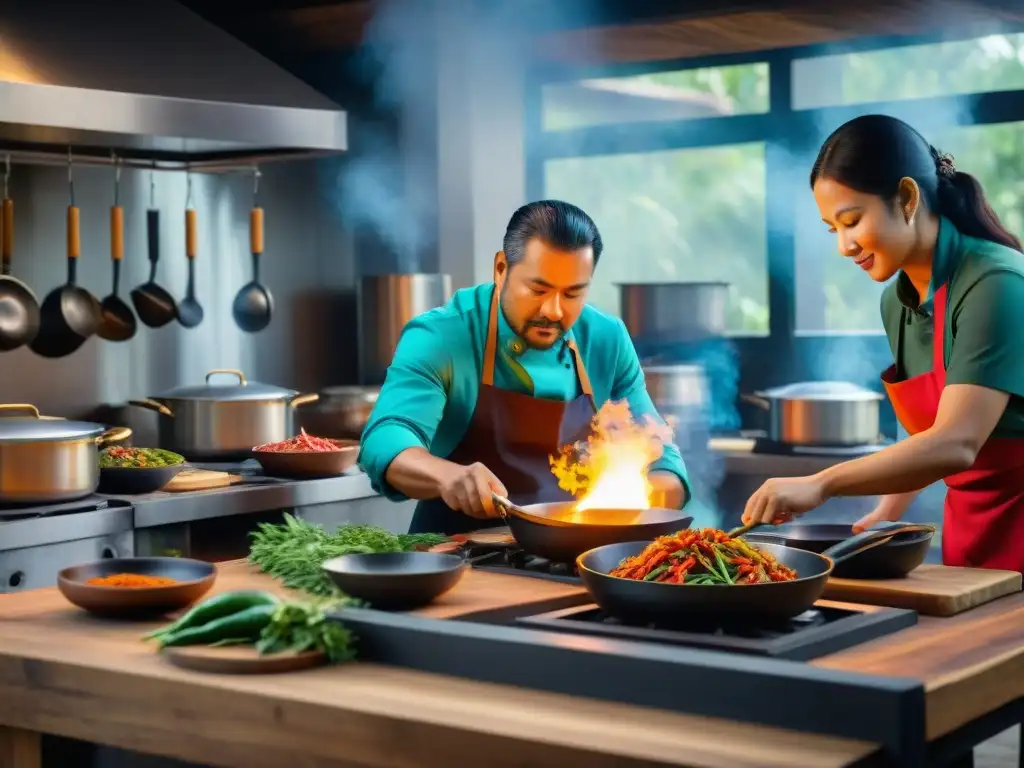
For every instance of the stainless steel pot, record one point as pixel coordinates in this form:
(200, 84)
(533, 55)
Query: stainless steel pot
(674, 312)
(48, 460)
(820, 413)
(224, 422)
(341, 413)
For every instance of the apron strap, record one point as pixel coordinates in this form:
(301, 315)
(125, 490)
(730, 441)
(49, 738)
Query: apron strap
(491, 351)
(939, 330)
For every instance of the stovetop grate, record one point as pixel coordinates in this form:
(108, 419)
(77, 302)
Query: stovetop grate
(88, 504)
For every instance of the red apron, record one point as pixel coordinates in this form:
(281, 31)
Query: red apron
(983, 523)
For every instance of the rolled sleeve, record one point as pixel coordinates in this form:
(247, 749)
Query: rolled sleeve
(629, 385)
(410, 404)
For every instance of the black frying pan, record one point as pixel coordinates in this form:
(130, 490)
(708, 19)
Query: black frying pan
(559, 533)
(891, 560)
(644, 602)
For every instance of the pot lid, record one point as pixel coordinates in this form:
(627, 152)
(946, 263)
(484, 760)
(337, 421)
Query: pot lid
(821, 390)
(23, 424)
(227, 384)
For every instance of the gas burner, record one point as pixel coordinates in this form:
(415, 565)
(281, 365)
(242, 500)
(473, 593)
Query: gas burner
(763, 445)
(514, 561)
(816, 632)
(89, 504)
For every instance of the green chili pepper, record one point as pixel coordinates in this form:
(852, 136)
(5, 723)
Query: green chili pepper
(245, 625)
(724, 568)
(656, 572)
(216, 607)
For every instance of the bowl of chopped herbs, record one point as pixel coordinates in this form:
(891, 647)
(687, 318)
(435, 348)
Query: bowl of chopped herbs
(132, 471)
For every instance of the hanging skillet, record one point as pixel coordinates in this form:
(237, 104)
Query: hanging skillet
(117, 321)
(153, 303)
(69, 314)
(19, 308)
(253, 305)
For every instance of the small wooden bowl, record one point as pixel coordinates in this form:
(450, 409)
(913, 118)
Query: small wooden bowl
(307, 465)
(194, 579)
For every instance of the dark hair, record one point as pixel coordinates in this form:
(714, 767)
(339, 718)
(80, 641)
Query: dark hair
(560, 225)
(872, 153)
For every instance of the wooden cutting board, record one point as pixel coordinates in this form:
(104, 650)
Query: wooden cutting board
(931, 590)
(200, 480)
(240, 660)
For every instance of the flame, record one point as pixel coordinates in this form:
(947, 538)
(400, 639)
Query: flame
(609, 471)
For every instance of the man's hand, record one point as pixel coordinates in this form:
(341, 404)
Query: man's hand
(468, 490)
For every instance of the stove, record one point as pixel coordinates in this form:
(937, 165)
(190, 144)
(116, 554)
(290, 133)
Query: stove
(88, 504)
(822, 630)
(763, 445)
(508, 558)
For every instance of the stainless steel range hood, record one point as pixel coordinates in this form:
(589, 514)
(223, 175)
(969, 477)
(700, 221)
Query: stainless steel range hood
(153, 82)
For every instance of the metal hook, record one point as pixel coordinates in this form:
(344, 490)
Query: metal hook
(117, 177)
(7, 173)
(188, 187)
(71, 177)
(255, 184)
(152, 190)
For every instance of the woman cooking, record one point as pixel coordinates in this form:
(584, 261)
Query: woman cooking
(899, 207)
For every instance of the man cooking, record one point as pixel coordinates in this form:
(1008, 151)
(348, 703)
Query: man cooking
(482, 391)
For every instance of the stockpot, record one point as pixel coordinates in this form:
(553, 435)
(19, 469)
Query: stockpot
(49, 460)
(820, 413)
(224, 422)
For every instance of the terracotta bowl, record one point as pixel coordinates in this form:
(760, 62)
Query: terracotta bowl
(194, 579)
(306, 465)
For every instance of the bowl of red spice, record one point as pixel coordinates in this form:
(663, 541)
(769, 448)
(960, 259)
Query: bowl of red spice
(136, 586)
(306, 457)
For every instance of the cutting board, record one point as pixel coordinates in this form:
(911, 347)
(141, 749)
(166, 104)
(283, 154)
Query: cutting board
(240, 660)
(200, 480)
(931, 590)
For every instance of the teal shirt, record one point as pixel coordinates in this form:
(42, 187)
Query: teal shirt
(430, 391)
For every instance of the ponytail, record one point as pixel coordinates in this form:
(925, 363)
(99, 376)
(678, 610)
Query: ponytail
(962, 200)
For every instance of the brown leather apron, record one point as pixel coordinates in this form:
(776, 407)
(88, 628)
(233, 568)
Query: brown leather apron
(513, 435)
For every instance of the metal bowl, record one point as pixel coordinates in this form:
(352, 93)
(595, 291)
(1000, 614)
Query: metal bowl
(396, 580)
(194, 579)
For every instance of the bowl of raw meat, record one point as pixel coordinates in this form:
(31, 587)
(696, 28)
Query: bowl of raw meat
(306, 457)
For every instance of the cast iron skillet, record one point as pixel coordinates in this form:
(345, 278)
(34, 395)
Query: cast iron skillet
(559, 533)
(892, 560)
(648, 601)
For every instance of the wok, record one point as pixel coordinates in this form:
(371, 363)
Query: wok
(645, 602)
(892, 560)
(559, 533)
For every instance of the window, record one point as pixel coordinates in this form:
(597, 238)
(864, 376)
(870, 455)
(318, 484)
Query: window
(682, 215)
(709, 92)
(981, 65)
(833, 294)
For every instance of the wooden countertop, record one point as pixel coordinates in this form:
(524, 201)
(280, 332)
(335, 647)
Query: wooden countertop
(64, 672)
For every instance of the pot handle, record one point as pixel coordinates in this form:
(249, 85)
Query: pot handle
(760, 402)
(23, 407)
(304, 400)
(115, 435)
(875, 537)
(231, 371)
(152, 405)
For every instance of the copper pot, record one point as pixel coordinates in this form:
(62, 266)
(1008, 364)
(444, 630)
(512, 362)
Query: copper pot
(341, 413)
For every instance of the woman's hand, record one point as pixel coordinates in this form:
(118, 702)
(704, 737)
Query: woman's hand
(783, 498)
(890, 509)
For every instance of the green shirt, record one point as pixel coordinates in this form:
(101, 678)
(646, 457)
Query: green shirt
(431, 387)
(984, 317)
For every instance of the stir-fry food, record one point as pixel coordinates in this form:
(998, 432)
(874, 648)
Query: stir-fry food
(702, 556)
(138, 458)
(302, 443)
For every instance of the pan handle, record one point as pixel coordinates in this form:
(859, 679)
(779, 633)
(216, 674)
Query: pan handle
(875, 537)
(760, 402)
(152, 405)
(304, 399)
(503, 505)
(115, 435)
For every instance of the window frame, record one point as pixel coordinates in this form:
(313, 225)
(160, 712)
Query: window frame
(782, 355)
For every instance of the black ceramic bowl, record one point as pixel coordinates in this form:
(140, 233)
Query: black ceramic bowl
(193, 579)
(135, 480)
(397, 581)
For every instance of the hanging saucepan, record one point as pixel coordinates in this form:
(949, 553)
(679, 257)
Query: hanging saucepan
(637, 601)
(892, 560)
(820, 413)
(223, 422)
(45, 460)
(19, 308)
(69, 314)
(560, 533)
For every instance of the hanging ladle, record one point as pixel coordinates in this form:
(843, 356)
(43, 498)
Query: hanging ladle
(117, 321)
(154, 304)
(253, 305)
(19, 307)
(190, 312)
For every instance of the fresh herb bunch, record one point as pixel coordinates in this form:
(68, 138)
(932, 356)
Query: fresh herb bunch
(298, 627)
(294, 551)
